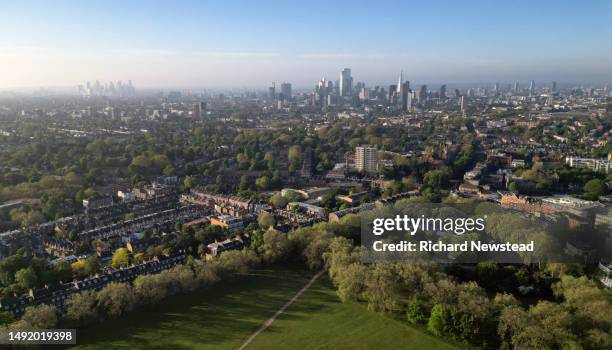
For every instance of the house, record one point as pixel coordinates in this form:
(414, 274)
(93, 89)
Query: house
(141, 244)
(231, 223)
(98, 201)
(215, 249)
(308, 209)
(355, 198)
(59, 294)
(337, 215)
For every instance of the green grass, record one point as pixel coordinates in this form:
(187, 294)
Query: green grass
(318, 320)
(223, 316)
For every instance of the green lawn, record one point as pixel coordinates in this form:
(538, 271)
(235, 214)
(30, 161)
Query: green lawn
(318, 320)
(223, 316)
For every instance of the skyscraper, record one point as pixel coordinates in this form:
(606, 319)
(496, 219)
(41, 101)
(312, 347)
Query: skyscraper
(516, 86)
(199, 109)
(554, 86)
(272, 91)
(323, 91)
(402, 90)
(443, 92)
(286, 90)
(423, 94)
(531, 87)
(366, 159)
(346, 82)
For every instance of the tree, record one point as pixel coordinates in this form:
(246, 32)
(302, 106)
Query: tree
(42, 316)
(6, 318)
(116, 299)
(26, 278)
(594, 188)
(149, 289)
(91, 265)
(245, 183)
(295, 154)
(440, 320)
(189, 182)
(120, 258)
(81, 308)
(239, 261)
(437, 179)
(266, 220)
(263, 182)
(278, 201)
(416, 311)
(513, 187)
(276, 246)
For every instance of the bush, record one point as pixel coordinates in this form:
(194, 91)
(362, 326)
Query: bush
(417, 312)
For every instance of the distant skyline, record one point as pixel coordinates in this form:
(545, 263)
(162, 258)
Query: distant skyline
(224, 44)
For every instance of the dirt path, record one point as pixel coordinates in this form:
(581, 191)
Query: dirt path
(280, 311)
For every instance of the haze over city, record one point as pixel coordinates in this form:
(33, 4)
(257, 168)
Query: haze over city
(246, 44)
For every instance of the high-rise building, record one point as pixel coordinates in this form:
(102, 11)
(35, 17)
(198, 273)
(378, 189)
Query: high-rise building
(323, 91)
(423, 94)
(286, 91)
(346, 82)
(366, 159)
(443, 92)
(462, 103)
(272, 91)
(554, 86)
(516, 86)
(402, 89)
(199, 109)
(531, 88)
(410, 101)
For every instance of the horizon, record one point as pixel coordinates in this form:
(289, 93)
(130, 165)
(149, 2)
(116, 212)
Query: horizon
(189, 44)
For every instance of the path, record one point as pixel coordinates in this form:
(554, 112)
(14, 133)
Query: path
(280, 311)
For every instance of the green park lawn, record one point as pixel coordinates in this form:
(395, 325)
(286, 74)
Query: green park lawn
(223, 316)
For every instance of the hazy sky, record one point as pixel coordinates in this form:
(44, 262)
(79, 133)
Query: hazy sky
(251, 43)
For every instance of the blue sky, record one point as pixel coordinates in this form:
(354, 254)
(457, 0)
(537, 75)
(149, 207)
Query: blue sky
(250, 43)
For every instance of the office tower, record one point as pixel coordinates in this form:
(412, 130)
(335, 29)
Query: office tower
(400, 81)
(401, 91)
(403, 96)
(366, 159)
(462, 103)
(554, 86)
(391, 97)
(531, 87)
(272, 91)
(199, 109)
(516, 86)
(423, 94)
(364, 94)
(443, 92)
(346, 82)
(323, 90)
(496, 89)
(286, 91)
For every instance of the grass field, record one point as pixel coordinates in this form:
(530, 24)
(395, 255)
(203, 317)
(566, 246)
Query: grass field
(222, 317)
(318, 320)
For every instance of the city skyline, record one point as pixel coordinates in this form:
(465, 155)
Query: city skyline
(220, 45)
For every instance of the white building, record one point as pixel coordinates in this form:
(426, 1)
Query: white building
(603, 165)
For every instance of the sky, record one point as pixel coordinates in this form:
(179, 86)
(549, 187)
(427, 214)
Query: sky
(253, 43)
